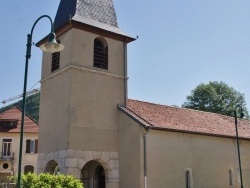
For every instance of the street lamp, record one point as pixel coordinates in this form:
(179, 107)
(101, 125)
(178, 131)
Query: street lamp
(52, 46)
(237, 137)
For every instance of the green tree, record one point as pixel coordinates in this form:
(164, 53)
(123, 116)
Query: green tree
(216, 97)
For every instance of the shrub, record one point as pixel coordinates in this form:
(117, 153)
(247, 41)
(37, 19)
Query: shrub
(6, 182)
(31, 180)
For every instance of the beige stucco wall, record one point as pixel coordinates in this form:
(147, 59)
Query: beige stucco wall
(169, 154)
(27, 158)
(94, 120)
(79, 46)
(78, 102)
(53, 115)
(130, 153)
(245, 162)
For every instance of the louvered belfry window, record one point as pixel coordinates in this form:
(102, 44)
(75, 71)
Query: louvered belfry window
(100, 54)
(55, 65)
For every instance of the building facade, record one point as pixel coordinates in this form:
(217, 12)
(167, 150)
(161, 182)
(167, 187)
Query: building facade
(88, 127)
(10, 121)
(78, 120)
(178, 147)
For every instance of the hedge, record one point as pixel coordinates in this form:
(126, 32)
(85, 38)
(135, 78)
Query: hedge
(31, 180)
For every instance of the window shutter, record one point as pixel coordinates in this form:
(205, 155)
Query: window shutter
(100, 54)
(5, 148)
(55, 61)
(36, 146)
(27, 146)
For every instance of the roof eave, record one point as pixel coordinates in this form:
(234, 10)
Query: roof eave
(90, 28)
(140, 122)
(122, 109)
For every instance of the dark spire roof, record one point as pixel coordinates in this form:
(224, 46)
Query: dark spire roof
(99, 14)
(100, 11)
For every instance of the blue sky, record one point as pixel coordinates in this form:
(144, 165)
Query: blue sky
(181, 44)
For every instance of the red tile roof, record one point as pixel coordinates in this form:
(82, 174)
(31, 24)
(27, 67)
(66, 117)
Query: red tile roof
(185, 120)
(30, 126)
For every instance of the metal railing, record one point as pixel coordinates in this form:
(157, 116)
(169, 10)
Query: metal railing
(6, 156)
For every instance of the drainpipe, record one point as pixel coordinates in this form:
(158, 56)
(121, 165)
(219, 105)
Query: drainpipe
(125, 72)
(145, 156)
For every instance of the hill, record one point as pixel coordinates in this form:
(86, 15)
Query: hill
(32, 106)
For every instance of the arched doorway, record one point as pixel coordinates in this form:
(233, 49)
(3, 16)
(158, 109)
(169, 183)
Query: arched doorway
(50, 167)
(93, 175)
(100, 177)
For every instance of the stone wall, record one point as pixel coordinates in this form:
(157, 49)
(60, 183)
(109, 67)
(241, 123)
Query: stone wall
(72, 161)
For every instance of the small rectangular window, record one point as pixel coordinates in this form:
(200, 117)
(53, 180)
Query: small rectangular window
(31, 146)
(8, 123)
(55, 61)
(6, 147)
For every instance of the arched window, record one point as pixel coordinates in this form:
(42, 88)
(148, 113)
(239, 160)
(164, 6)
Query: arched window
(28, 168)
(100, 176)
(189, 178)
(231, 178)
(100, 53)
(55, 62)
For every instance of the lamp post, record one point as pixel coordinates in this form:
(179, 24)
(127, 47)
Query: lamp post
(52, 46)
(237, 138)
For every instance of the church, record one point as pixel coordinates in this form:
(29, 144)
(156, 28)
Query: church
(90, 129)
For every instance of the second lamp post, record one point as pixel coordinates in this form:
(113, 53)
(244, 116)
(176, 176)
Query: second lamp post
(237, 138)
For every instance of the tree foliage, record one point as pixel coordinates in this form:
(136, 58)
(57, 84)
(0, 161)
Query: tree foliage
(216, 97)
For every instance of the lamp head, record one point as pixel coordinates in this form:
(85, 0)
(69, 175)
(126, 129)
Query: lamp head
(52, 46)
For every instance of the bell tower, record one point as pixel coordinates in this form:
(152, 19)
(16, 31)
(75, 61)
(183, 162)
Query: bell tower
(80, 89)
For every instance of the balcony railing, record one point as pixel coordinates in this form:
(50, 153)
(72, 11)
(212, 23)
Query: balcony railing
(6, 156)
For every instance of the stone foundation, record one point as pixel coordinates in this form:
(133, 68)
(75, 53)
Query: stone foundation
(72, 161)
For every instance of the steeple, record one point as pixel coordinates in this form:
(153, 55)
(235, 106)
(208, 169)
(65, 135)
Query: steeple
(86, 11)
(88, 15)
(78, 128)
